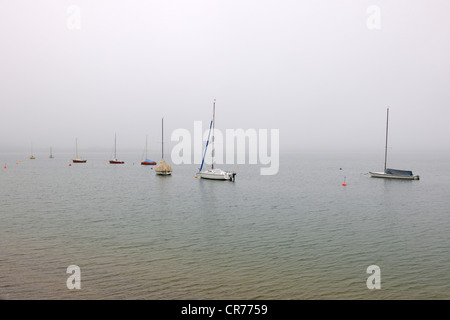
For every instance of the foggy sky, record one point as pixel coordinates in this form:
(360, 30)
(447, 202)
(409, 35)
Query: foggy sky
(312, 69)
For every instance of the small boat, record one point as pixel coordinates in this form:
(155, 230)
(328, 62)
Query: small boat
(147, 161)
(115, 160)
(392, 173)
(51, 154)
(163, 168)
(32, 157)
(217, 174)
(77, 159)
(213, 173)
(395, 174)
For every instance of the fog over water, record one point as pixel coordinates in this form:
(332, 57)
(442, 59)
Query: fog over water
(318, 73)
(323, 73)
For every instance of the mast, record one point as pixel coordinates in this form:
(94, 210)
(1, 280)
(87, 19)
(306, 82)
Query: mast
(214, 122)
(386, 146)
(146, 147)
(76, 148)
(115, 142)
(162, 138)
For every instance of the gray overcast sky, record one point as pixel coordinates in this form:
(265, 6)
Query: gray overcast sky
(312, 69)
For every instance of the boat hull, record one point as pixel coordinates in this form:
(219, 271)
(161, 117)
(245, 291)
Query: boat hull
(146, 163)
(217, 175)
(79, 161)
(393, 176)
(116, 162)
(164, 173)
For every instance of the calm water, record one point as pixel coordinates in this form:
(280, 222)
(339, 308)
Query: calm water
(297, 235)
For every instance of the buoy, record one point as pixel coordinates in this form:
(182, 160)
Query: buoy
(344, 184)
(195, 177)
(70, 164)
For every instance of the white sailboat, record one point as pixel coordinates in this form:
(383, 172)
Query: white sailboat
(214, 173)
(163, 168)
(392, 173)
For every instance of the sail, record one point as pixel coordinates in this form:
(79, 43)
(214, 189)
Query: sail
(207, 142)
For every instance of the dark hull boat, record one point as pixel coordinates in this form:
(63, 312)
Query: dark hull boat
(148, 162)
(77, 159)
(115, 160)
(395, 174)
(392, 173)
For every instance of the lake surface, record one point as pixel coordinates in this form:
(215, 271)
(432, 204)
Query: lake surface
(299, 234)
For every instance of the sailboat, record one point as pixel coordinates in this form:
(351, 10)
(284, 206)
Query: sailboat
(51, 154)
(214, 173)
(77, 159)
(392, 173)
(163, 168)
(147, 161)
(115, 160)
(32, 157)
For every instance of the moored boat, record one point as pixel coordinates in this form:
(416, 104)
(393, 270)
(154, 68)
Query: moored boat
(163, 168)
(392, 173)
(115, 160)
(147, 161)
(77, 158)
(214, 173)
